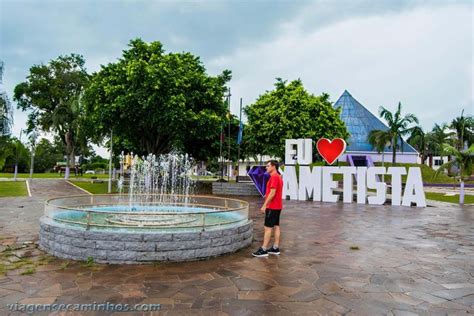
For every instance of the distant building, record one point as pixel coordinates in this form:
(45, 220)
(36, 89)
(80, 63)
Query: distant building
(360, 122)
(436, 161)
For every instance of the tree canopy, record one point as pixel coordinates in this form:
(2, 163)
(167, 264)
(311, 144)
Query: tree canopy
(52, 95)
(156, 102)
(12, 151)
(289, 111)
(46, 155)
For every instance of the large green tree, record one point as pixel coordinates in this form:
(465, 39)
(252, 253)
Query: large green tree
(52, 95)
(156, 102)
(289, 111)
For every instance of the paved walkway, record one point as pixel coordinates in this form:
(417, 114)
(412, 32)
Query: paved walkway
(403, 261)
(51, 188)
(449, 190)
(19, 216)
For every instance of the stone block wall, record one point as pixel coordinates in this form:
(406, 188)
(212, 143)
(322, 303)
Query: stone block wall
(234, 188)
(109, 246)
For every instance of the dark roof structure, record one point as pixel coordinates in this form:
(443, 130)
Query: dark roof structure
(359, 122)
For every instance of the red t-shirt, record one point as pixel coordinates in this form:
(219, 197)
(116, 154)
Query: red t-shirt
(275, 182)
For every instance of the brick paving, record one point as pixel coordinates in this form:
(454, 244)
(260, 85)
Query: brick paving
(336, 259)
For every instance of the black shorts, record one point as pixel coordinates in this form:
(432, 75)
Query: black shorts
(272, 217)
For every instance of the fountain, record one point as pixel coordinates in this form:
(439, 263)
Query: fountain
(155, 217)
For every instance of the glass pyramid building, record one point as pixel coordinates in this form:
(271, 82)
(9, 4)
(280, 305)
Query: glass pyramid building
(359, 122)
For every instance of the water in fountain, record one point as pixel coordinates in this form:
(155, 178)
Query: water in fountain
(163, 179)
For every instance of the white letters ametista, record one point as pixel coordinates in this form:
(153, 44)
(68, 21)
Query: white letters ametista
(317, 183)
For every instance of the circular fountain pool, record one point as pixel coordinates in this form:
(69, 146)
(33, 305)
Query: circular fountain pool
(145, 228)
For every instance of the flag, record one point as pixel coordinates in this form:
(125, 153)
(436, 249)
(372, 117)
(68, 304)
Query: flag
(239, 136)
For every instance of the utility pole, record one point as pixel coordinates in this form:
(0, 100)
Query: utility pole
(228, 155)
(109, 190)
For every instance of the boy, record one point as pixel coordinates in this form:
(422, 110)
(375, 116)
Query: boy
(272, 208)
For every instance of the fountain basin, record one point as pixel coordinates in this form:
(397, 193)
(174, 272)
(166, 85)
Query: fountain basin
(114, 229)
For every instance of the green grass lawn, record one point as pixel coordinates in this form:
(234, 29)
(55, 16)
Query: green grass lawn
(96, 187)
(468, 199)
(427, 173)
(53, 175)
(210, 178)
(13, 188)
(205, 178)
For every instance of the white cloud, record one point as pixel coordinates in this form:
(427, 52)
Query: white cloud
(422, 58)
(416, 52)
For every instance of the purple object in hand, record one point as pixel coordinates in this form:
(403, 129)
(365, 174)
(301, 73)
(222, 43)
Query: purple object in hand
(260, 177)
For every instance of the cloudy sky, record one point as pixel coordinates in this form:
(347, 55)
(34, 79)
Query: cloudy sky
(382, 52)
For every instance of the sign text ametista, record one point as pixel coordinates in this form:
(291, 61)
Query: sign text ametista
(317, 183)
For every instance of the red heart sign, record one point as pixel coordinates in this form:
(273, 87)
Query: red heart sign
(331, 150)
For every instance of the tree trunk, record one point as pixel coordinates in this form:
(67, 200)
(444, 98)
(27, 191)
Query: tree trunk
(383, 165)
(69, 153)
(73, 160)
(32, 164)
(66, 174)
(449, 169)
(430, 161)
(394, 152)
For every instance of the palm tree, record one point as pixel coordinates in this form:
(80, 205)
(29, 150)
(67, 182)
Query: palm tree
(463, 160)
(398, 126)
(437, 137)
(463, 127)
(380, 139)
(420, 140)
(440, 136)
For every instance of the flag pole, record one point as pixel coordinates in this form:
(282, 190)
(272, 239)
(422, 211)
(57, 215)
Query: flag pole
(239, 136)
(228, 155)
(220, 155)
